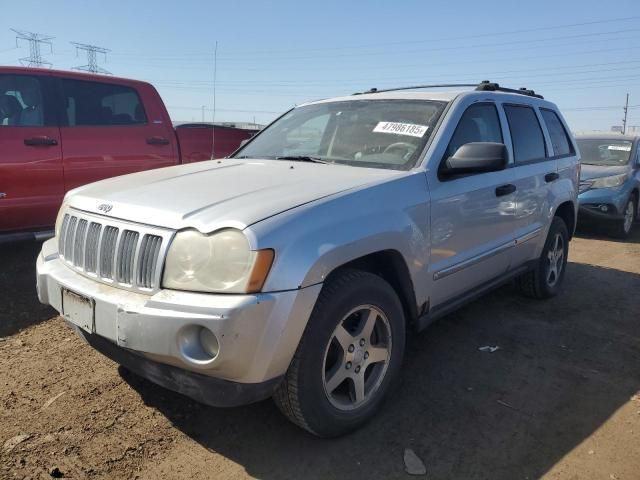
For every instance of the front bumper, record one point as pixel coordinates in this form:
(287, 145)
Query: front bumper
(614, 198)
(257, 334)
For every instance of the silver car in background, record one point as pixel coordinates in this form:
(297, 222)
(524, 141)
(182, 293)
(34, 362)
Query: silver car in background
(296, 268)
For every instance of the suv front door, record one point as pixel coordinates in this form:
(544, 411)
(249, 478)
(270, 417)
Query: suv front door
(31, 179)
(472, 217)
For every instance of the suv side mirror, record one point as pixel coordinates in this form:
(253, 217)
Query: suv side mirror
(476, 157)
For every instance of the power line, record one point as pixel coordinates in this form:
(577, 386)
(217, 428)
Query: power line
(35, 40)
(92, 57)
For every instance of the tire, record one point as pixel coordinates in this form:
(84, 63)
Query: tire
(540, 282)
(310, 396)
(623, 227)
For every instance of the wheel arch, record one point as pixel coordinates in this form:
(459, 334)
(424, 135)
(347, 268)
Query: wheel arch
(392, 267)
(567, 212)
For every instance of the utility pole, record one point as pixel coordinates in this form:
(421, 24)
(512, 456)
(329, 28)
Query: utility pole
(92, 57)
(624, 120)
(35, 41)
(202, 113)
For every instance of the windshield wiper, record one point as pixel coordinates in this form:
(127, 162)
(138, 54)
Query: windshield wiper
(302, 158)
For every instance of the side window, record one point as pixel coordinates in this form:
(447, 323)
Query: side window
(479, 123)
(526, 133)
(22, 101)
(559, 138)
(94, 104)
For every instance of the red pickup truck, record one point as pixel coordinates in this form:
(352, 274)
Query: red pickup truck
(59, 130)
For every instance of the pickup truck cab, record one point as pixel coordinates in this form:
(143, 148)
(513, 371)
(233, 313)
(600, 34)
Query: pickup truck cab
(60, 130)
(296, 268)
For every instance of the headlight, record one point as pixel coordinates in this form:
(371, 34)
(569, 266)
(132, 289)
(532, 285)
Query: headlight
(609, 182)
(220, 262)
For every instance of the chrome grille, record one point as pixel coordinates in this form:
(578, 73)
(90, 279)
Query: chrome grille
(148, 260)
(114, 252)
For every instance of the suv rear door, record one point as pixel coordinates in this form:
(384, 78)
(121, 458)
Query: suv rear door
(472, 216)
(31, 181)
(536, 169)
(108, 131)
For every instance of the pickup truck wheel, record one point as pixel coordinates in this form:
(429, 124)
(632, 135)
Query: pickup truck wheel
(348, 357)
(545, 279)
(623, 227)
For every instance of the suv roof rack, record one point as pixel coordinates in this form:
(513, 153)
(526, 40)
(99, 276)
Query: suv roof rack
(484, 86)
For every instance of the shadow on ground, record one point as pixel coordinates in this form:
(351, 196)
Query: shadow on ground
(19, 305)
(564, 367)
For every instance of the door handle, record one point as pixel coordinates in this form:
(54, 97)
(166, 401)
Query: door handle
(551, 177)
(40, 141)
(503, 190)
(157, 141)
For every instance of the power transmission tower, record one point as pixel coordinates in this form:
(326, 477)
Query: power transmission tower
(35, 41)
(92, 57)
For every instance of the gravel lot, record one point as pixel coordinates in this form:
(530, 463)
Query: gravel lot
(559, 400)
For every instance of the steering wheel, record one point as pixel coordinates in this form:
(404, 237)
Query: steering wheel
(409, 148)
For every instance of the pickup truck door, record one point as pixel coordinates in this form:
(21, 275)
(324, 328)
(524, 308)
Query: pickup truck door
(31, 181)
(108, 131)
(472, 217)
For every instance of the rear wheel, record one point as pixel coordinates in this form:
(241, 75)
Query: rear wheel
(348, 357)
(624, 226)
(545, 279)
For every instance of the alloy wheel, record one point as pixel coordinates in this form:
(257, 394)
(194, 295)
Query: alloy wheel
(555, 260)
(356, 357)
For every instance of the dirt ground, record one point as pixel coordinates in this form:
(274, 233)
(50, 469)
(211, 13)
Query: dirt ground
(559, 400)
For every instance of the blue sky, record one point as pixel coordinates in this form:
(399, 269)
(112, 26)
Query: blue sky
(584, 55)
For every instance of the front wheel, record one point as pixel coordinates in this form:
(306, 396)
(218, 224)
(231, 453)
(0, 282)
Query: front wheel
(623, 227)
(545, 279)
(348, 357)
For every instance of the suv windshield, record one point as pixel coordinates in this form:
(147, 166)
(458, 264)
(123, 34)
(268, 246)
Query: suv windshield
(604, 152)
(367, 133)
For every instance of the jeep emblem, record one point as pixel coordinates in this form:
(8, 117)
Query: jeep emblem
(105, 207)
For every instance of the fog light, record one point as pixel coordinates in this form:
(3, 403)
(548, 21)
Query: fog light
(604, 208)
(209, 342)
(198, 345)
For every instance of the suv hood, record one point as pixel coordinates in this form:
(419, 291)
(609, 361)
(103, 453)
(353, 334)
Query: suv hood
(219, 193)
(589, 172)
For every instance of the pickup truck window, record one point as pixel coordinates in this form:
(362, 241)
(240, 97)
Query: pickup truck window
(479, 123)
(100, 104)
(21, 101)
(364, 133)
(526, 133)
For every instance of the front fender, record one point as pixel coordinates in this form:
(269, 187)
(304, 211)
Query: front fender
(313, 240)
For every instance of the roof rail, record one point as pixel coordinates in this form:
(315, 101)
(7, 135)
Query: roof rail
(485, 85)
(444, 85)
(488, 86)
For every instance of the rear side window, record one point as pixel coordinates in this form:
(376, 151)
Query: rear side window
(479, 123)
(526, 133)
(94, 104)
(559, 138)
(23, 103)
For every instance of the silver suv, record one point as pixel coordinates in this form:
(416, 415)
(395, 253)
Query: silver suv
(296, 268)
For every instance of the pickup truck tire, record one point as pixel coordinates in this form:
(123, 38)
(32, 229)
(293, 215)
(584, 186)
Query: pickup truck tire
(622, 228)
(545, 279)
(347, 359)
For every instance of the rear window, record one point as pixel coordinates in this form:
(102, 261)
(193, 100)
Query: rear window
(526, 133)
(94, 104)
(559, 138)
